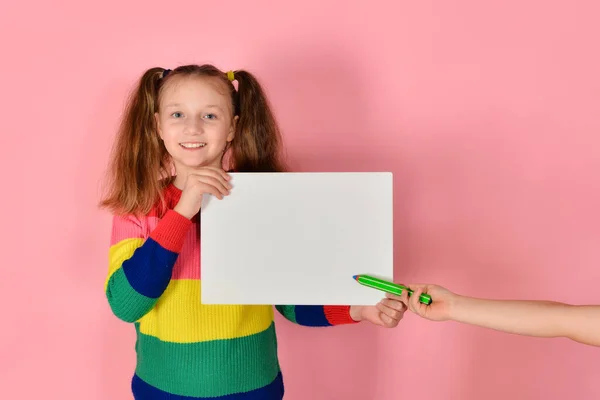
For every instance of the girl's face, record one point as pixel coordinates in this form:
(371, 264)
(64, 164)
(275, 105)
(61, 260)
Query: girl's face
(195, 122)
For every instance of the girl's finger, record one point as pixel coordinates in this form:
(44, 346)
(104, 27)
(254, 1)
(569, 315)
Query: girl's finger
(393, 296)
(390, 312)
(210, 189)
(212, 181)
(387, 320)
(221, 172)
(395, 304)
(218, 175)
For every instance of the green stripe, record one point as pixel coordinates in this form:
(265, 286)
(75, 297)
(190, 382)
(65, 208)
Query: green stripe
(288, 312)
(125, 302)
(208, 369)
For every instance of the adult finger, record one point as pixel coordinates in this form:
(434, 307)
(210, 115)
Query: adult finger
(415, 286)
(403, 297)
(414, 304)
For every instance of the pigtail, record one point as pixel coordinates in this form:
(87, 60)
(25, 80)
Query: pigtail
(257, 143)
(139, 159)
(141, 167)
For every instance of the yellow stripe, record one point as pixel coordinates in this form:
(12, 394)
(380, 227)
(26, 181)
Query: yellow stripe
(120, 252)
(179, 317)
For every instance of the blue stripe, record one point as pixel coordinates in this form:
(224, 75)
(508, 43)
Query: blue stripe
(149, 269)
(143, 391)
(311, 316)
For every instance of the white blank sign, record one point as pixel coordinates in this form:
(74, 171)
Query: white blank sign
(297, 238)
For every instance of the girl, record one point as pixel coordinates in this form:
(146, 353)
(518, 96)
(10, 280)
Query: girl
(170, 151)
(521, 317)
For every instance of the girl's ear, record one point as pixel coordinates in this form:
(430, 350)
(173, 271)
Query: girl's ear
(232, 128)
(157, 121)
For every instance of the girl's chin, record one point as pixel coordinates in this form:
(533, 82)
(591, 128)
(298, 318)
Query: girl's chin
(194, 166)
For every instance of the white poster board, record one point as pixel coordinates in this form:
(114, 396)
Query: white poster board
(297, 238)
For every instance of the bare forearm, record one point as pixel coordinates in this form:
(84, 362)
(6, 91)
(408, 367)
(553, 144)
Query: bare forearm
(531, 318)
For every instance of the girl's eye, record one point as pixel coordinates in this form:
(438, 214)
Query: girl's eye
(210, 116)
(176, 115)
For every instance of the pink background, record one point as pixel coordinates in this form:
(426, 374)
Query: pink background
(487, 113)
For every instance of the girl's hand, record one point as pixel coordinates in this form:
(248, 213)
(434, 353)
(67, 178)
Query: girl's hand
(207, 180)
(442, 302)
(388, 313)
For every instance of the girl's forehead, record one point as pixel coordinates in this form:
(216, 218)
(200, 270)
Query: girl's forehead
(194, 88)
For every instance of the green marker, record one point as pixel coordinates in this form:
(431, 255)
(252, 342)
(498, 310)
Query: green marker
(389, 287)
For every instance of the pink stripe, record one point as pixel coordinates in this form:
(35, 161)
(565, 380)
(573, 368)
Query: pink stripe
(151, 223)
(126, 227)
(187, 265)
(188, 262)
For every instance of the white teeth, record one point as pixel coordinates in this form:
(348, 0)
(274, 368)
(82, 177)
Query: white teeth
(192, 145)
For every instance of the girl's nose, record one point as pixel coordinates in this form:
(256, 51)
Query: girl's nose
(194, 125)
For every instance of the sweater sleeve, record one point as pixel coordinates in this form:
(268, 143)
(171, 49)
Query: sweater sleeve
(316, 315)
(140, 269)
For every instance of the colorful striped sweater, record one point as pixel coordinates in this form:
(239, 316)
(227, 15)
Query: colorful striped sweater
(187, 350)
